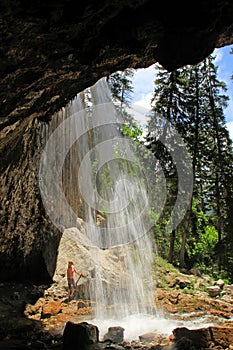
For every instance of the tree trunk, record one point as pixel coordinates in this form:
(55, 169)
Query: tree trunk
(171, 248)
(182, 250)
(186, 228)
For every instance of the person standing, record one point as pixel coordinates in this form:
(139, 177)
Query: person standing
(70, 279)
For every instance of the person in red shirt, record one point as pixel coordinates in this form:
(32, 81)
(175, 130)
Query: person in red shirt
(70, 278)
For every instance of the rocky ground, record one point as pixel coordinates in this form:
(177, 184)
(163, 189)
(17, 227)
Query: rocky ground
(33, 317)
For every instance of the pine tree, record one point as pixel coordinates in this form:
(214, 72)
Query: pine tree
(221, 156)
(191, 99)
(121, 86)
(167, 109)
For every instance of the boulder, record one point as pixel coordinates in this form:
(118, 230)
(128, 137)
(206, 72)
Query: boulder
(51, 308)
(147, 337)
(77, 336)
(181, 282)
(228, 289)
(209, 337)
(115, 334)
(213, 291)
(220, 283)
(75, 245)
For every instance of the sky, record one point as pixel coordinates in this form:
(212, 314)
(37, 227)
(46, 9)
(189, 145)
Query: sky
(143, 83)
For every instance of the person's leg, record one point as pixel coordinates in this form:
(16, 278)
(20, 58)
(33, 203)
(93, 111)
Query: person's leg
(69, 289)
(72, 289)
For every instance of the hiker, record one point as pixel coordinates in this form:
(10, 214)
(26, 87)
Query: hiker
(70, 278)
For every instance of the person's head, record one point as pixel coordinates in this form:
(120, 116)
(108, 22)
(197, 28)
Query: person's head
(70, 262)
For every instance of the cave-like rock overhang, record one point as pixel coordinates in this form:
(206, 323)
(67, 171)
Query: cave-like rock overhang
(50, 51)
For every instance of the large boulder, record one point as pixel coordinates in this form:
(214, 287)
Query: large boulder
(74, 245)
(208, 337)
(77, 336)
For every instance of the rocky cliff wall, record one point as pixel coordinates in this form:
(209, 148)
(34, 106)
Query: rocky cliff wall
(26, 233)
(50, 51)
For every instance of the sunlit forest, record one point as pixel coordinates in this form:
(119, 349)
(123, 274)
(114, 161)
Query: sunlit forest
(190, 100)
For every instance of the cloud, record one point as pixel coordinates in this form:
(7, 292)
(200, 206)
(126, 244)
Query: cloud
(145, 101)
(230, 128)
(143, 83)
(218, 53)
(228, 111)
(139, 112)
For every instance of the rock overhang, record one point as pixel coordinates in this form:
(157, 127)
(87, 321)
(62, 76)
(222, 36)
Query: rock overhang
(51, 50)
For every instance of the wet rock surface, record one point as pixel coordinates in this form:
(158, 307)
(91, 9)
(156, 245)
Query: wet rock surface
(35, 317)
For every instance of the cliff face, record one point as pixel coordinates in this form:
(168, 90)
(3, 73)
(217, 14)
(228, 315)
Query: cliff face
(50, 51)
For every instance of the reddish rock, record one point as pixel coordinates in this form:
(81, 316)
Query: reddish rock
(51, 308)
(63, 317)
(213, 291)
(181, 282)
(220, 313)
(34, 309)
(222, 335)
(171, 309)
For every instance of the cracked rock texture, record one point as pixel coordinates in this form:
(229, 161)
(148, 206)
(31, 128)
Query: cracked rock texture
(51, 50)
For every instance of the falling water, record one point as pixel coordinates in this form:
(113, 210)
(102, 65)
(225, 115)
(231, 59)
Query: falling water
(96, 174)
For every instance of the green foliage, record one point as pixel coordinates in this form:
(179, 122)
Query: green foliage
(201, 249)
(106, 176)
(192, 99)
(162, 264)
(134, 131)
(201, 245)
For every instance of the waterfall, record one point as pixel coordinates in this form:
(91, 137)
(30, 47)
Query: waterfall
(89, 169)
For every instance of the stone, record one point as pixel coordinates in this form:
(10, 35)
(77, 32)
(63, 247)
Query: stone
(228, 289)
(34, 309)
(213, 291)
(204, 337)
(222, 335)
(182, 282)
(75, 243)
(196, 337)
(220, 283)
(195, 272)
(38, 345)
(51, 308)
(147, 337)
(115, 334)
(77, 336)
(80, 224)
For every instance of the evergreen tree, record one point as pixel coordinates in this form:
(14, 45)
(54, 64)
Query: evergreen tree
(191, 99)
(121, 86)
(221, 162)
